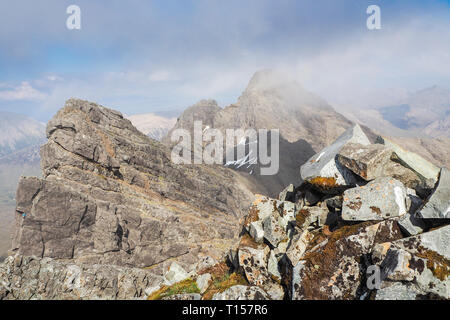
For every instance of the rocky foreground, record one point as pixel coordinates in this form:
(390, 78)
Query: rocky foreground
(113, 218)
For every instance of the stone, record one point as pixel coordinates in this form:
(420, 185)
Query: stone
(423, 260)
(256, 231)
(335, 202)
(254, 262)
(298, 247)
(175, 274)
(272, 266)
(241, 292)
(273, 232)
(324, 172)
(397, 291)
(437, 206)
(382, 198)
(333, 269)
(411, 160)
(203, 282)
(288, 194)
(412, 225)
(367, 161)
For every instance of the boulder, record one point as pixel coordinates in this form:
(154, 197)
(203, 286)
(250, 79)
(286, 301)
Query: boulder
(324, 172)
(332, 270)
(437, 205)
(383, 198)
(367, 161)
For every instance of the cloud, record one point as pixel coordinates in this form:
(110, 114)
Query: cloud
(24, 91)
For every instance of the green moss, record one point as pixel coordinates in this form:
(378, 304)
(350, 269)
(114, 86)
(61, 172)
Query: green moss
(185, 286)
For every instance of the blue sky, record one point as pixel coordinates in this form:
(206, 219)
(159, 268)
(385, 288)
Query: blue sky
(145, 56)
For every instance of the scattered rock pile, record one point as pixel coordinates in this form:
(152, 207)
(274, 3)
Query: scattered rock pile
(362, 207)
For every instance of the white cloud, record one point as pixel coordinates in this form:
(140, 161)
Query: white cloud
(22, 92)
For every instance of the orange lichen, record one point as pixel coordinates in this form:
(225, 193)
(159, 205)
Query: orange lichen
(324, 183)
(438, 264)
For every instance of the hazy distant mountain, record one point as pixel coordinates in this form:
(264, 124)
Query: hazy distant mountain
(422, 113)
(154, 126)
(18, 132)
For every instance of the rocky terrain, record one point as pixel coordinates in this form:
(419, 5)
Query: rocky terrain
(113, 218)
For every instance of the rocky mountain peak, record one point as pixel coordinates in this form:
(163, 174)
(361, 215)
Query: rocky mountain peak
(112, 195)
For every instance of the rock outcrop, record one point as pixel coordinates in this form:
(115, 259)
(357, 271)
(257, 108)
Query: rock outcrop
(111, 195)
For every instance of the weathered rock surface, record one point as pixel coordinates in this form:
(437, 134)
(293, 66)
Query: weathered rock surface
(421, 262)
(242, 293)
(412, 160)
(24, 278)
(380, 199)
(323, 171)
(438, 205)
(367, 161)
(111, 195)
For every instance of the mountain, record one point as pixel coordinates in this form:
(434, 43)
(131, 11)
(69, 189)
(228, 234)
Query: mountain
(422, 114)
(272, 100)
(18, 132)
(154, 126)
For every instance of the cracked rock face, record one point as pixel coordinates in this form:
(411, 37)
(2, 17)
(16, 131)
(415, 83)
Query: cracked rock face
(109, 194)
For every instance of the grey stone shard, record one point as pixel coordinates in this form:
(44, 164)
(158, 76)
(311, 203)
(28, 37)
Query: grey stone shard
(203, 282)
(256, 231)
(412, 225)
(324, 164)
(438, 205)
(411, 160)
(380, 199)
(240, 292)
(367, 161)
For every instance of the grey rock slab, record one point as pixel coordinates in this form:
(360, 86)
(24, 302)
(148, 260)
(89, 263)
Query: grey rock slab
(324, 164)
(438, 205)
(412, 160)
(203, 281)
(380, 199)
